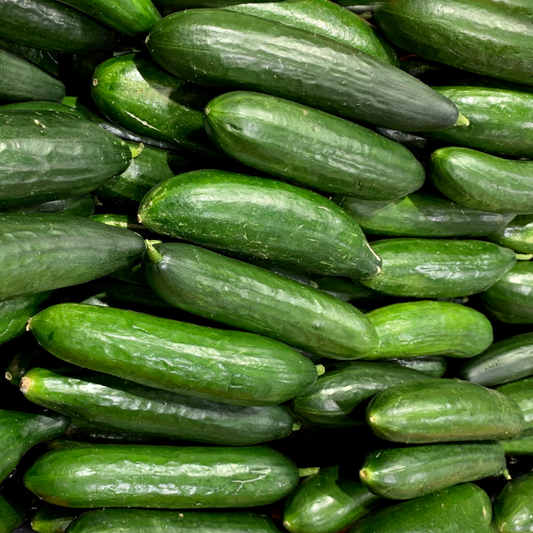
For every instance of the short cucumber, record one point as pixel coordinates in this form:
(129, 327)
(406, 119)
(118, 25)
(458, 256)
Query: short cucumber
(433, 366)
(517, 234)
(80, 206)
(513, 506)
(521, 392)
(168, 477)
(11, 516)
(521, 445)
(52, 519)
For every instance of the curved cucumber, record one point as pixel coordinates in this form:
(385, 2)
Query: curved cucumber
(513, 507)
(521, 445)
(517, 234)
(11, 516)
(522, 393)
(433, 366)
(52, 519)
(162, 477)
(308, 146)
(80, 206)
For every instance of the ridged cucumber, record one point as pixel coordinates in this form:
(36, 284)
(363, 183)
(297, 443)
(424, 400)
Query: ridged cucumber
(52, 519)
(517, 234)
(80, 206)
(522, 393)
(433, 366)
(513, 506)
(11, 516)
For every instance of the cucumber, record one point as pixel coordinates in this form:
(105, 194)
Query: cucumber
(170, 6)
(483, 181)
(46, 61)
(414, 471)
(505, 361)
(431, 268)
(186, 359)
(81, 206)
(423, 328)
(168, 477)
(219, 48)
(412, 412)
(120, 221)
(11, 516)
(513, 506)
(310, 147)
(522, 393)
(52, 519)
(248, 297)
(422, 215)
(326, 502)
(70, 251)
(521, 445)
(433, 366)
(347, 291)
(517, 234)
(119, 405)
(253, 217)
(49, 25)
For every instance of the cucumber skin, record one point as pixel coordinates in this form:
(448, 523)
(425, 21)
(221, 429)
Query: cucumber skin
(516, 235)
(167, 477)
(311, 147)
(513, 509)
(522, 393)
(11, 517)
(326, 502)
(119, 405)
(521, 445)
(431, 268)
(411, 472)
(193, 360)
(290, 64)
(70, 251)
(422, 215)
(79, 206)
(251, 217)
(483, 181)
(424, 328)
(51, 519)
(412, 413)
(252, 298)
(46, 61)
(433, 366)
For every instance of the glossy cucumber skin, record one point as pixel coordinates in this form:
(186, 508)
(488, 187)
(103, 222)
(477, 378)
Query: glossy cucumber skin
(412, 412)
(219, 48)
(252, 298)
(521, 392)
(456, 509)
(310, 147)
(507, 360)
(120, 405)
(165, 477)
(326, 502)
(423, 328)
(521, 445)
(516, 235)
(49, 25)
(433, 366)
(421, 215)
(431, 268)
(52, 519)
(184, 358)
(483, 181)
(64, 251)
(513, 508)
(80, 206)
(411, 472)
(170, 6)
(11, 517)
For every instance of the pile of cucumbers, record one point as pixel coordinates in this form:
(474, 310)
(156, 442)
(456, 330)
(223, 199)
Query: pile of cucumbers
(266, 266)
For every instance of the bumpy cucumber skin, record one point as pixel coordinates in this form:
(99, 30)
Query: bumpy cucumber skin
(253, 217)
(433, 366)
(431, 268)
(521, 392)
(521, 445)
(326, 502)
(217, 47)
(513, 507)
(311, 147)
(411, 472)
(517, 234)
(11, 517)
(57, 251)
(422, 215)
(423, 328)
(80, 206)
(412, 412)
(162, 477)
(51, 519)
(252, 298)
(483, 181)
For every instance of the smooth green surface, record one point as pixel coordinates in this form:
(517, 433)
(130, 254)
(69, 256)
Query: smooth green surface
(517, 235)
(11, 517)
(52, 519)
(170, 6)
(521, 392)
(521, 445)
(513, 507)
(81, 206)
(433, 366)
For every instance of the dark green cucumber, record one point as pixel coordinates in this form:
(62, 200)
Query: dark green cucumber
(46, 61)
(253, 217)
(252, 298)
(513, 506)
(343, 289)
(413, 412)
(456, 509)
(522, 393)
(21, 431)
(414, 471)
(219, 48)
(162, 477)
(422, 215)
(521, 445)
(335, 394)
(505, 361)
(119, 405)
(52, 519)
(422, 328)
(49, 25)
(11, 516)
(310, 147)
(517, 234)
(185, 358)
(431, 268)
(433, 366)
(56, 251)
(80, 206)
(483, 181)
(326, 502)
(170, 6)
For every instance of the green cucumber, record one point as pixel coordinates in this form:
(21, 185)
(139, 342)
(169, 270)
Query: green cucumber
(423, 328)
(185, 358)
(120, 221)
(46, 61)
(170, 6)
(11, 516)
(326, 502)
(483, 181)
(414, 471)
(522, 393)
(433, 366)
(219, 48)
(80, 206)
(347, 291)
(252, 298)
(431, 268)
(52, 519)
(253, 217)
(521, 445)
(422, 215)
(412, 412)
(69, 251)
(517, 234)
(168, 477)
(513, 506)
(310, 147)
